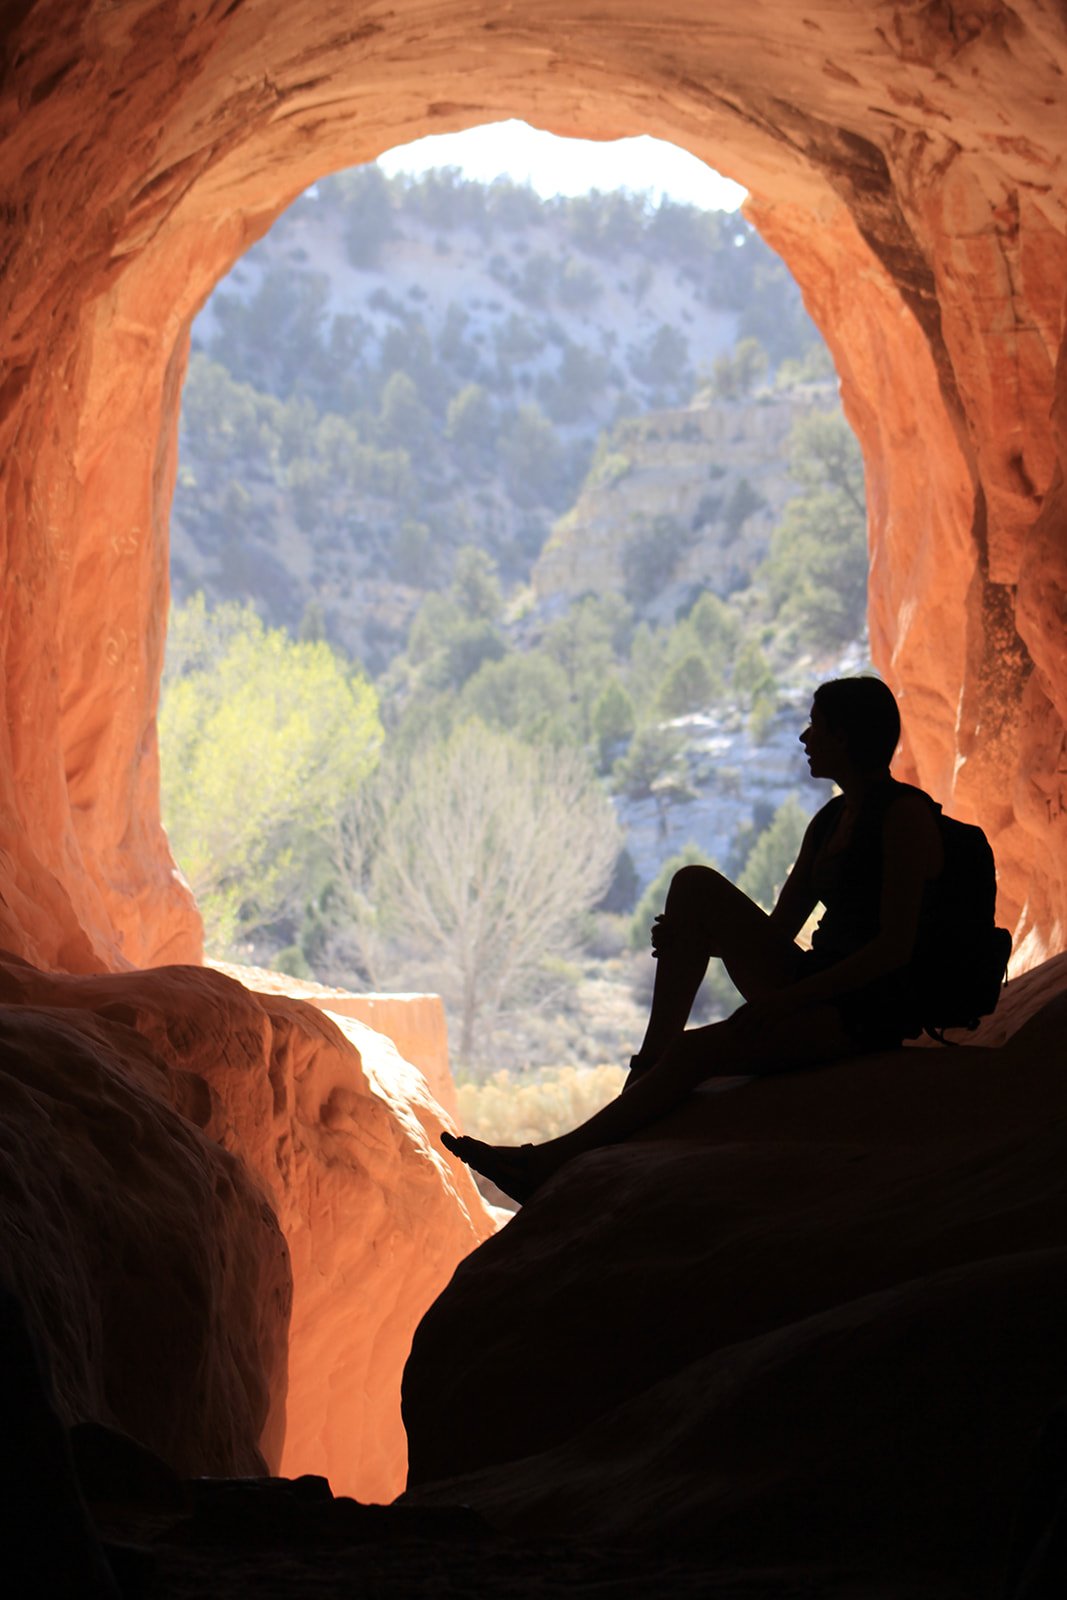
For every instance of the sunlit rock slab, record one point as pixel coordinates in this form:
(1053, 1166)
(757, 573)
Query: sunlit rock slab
(340, 1137)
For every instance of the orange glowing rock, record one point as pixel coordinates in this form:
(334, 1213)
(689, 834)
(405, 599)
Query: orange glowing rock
(148, 1265)
(908, 162)
(342, 1137)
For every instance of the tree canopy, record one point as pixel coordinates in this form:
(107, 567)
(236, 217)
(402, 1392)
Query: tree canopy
(262, 738)
(482, 854)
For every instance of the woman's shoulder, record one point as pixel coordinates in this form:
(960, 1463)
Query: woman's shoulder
(907, 801)
(909, 794)
(911, 817)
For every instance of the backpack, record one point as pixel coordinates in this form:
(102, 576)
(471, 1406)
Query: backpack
(961, 956)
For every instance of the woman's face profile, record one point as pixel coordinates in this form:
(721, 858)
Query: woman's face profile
(824, 748)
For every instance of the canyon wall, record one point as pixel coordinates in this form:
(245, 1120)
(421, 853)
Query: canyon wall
(906, 159)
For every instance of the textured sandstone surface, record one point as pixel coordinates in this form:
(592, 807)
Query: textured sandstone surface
(812, 1319)
(415, 1023)
(337, 1139)
(908, 161)
(146, 1259)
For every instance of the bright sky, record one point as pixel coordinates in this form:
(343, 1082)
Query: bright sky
(569, 166)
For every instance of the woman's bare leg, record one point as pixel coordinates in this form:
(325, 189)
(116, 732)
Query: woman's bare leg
(706, 915)
(737, 1046)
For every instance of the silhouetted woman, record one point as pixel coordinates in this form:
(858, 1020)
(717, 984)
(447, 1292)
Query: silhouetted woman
(871, 856)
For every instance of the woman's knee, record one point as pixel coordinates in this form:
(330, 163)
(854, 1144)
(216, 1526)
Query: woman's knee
(694, 892)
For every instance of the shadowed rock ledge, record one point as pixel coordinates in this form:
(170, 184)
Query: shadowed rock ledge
(815, 1319)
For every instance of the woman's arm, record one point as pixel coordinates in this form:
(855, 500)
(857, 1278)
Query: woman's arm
(797, 899)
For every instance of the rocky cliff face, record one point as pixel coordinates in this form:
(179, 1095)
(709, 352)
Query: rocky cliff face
(713, 477)
(906, 162)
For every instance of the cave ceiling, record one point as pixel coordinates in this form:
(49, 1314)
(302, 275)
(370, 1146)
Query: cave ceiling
(906, 159)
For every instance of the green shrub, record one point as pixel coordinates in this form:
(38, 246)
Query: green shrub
(773, 854)
(689, 686)
(537, 1106)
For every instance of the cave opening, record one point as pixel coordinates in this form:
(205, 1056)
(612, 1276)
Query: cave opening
(404, 406)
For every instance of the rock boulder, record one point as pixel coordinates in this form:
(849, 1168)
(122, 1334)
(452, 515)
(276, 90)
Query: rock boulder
(331, 1143)
(808, 1319)
(147, 1260)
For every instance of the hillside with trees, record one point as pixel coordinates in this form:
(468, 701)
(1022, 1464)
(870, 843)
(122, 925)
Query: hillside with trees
(510, 538)
(404, 367)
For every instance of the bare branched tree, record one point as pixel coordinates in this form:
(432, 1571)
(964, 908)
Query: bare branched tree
(481, 856)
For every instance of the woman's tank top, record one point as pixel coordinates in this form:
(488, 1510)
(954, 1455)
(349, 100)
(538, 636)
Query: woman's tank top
(848, 880)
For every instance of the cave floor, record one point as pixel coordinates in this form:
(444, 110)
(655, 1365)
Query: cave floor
(241, 1540)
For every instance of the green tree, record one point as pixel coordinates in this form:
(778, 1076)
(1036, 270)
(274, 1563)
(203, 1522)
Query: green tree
(613, 722)
(471, 424)
(309, 486)
(825, 454)
(750, 364)
(653, 768)
(533, 459)
(404, 421)
(576, 385)
(222, 419)
(734, 376)
(517, 339)
(463, 650)
(262, 740)
(527, 695)
(688, 686)
(651, 555)
(662, 361)
(411, 554)
(815, 573)
(587, 642)
(716, 626)
(367, 199)
(772, 856)
(578, 286)
(454, 634)
(297, 429)
(453, 346)
(536, 279)
(743, 500)
(753, 678)
(475, 585)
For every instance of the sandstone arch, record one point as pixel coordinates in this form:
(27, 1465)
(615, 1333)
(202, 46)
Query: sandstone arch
(907, 160)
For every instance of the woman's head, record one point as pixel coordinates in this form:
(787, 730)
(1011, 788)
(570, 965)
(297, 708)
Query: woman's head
(863, 714)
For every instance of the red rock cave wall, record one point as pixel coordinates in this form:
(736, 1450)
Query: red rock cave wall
(907, 160)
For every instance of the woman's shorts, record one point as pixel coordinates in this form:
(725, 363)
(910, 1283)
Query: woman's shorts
(881, 1015)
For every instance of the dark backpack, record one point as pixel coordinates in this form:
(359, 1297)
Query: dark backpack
(961, 956)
